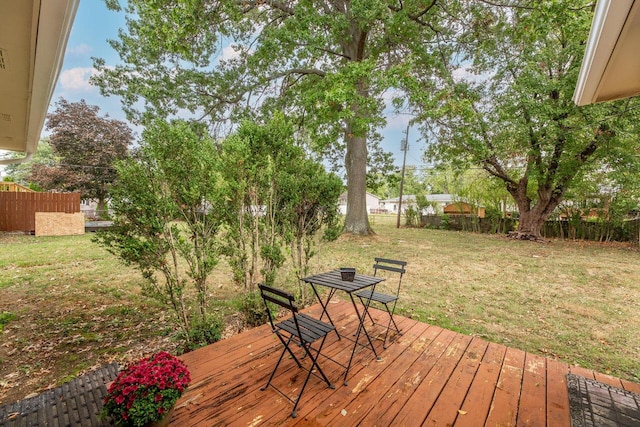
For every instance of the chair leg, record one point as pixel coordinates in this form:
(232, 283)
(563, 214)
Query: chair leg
(306, 380)
(284, 350)
(274, 371)
(391, 320)
(315, 363)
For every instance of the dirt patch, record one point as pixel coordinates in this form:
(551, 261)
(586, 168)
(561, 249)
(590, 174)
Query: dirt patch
(49, 342)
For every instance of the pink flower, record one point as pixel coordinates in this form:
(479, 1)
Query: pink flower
(142, 386)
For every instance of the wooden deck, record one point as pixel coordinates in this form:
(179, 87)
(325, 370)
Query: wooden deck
(428, 376)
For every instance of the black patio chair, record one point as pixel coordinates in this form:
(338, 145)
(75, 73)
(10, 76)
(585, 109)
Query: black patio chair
(388, 301)
(301, 330)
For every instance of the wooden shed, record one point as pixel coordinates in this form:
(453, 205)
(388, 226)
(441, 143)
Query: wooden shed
(464, 209)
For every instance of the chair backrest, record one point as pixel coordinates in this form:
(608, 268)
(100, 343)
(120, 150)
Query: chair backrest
(391, 265)
(278, 297)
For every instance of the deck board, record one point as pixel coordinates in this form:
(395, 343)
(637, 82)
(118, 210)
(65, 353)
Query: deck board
(427, 376)
(349, 404)
(476, 406)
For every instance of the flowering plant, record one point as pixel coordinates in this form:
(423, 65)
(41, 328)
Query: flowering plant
(144, 392)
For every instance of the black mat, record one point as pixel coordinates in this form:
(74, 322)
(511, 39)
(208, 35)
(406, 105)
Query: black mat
(594, 404)
(76, 403)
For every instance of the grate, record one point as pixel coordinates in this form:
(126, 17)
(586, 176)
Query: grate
(594, 404)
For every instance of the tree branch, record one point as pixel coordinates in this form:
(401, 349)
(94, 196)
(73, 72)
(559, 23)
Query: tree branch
(303, 71)
(250, 5)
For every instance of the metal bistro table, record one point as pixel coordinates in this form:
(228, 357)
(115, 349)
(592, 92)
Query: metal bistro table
(333, 281)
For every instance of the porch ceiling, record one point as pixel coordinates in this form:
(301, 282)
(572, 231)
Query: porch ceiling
(33, 39)
(611, 65)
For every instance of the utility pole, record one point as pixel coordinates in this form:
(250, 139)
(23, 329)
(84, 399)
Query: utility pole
(404, 146)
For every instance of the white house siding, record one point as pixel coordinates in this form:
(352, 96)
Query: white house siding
(372, 201)
(441, 200)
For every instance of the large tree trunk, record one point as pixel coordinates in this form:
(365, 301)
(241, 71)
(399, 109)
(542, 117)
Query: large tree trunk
(529, 226)
(101, 212)
(532, 218)
(357, 220)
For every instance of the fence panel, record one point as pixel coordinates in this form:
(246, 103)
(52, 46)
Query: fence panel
(18, 209)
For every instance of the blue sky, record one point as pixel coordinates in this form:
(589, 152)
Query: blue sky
(95, 24)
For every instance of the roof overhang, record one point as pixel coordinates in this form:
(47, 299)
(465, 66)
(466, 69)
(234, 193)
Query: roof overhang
(33, 39)
(611, 65)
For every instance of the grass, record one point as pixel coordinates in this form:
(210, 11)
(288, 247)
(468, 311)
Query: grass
(73, 306)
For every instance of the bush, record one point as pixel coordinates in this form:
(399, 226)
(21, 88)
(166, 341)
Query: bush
(253, 310)
(204, 333)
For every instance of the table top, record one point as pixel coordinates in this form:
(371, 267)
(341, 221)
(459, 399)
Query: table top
(333, 279)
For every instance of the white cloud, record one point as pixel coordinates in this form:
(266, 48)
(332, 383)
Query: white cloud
(230, 52)
(77, 79)
(463, 74)
(80, 50)
(227, 54)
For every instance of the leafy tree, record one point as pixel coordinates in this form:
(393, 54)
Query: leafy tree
(274, 196)
(20, 172)
(514, 115)
(167, 201)
(413, 182)
(326, 63)
(250, 161)
(309, 205)
(86, 145)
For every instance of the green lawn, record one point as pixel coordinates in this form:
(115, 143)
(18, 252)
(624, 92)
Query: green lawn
(68, 306)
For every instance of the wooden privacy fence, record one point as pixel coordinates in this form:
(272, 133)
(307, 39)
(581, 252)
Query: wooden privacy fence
(18, 209)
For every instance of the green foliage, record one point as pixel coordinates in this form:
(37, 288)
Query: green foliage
(252, 307)
(512, 113)
(167, 203)
(445, 224)
(86, 145)
(333, 230)
(412, 216)
(203, 332)
(5, 318)
(275, 197)
(20, 172)
(328, 67)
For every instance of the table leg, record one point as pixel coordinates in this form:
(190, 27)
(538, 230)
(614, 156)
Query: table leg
(324, 307)
(361, 327)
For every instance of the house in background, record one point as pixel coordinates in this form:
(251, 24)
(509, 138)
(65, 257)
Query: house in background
(373, 203)
(89, 207)
(437, 202)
